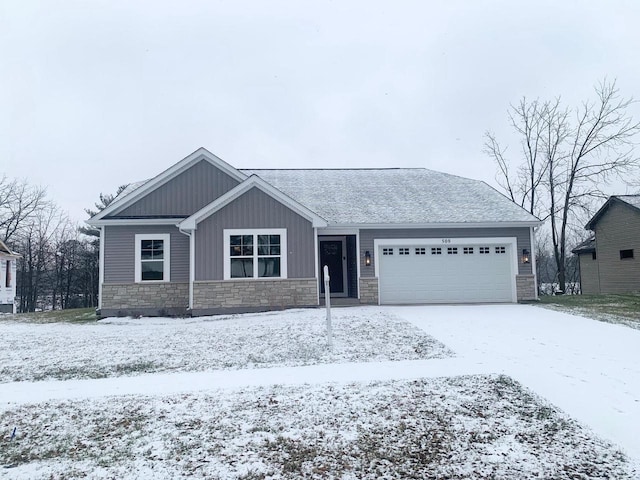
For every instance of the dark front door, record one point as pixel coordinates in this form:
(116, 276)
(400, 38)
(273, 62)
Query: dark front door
(332, 255)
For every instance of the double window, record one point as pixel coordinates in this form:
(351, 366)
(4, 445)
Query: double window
(255, 254)
(152, 257)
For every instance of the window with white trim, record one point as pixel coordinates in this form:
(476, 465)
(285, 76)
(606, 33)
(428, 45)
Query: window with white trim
(259, 253)
(152, 257)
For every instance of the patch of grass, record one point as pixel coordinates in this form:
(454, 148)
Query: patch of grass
(621, 308)
(72, 315)
(448, 428)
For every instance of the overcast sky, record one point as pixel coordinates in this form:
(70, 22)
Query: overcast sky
(94, 94)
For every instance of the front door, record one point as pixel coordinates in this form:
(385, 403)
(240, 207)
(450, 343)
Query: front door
(333, 254)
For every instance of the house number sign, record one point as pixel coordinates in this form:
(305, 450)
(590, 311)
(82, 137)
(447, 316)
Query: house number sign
(446, 240)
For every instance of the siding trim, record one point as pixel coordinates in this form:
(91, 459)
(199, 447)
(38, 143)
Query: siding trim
(534, 270)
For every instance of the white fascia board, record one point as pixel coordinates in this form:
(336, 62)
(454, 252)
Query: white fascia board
(166, 176)
(396, 226)
(331, 230)
(253, 181)
(134, 221)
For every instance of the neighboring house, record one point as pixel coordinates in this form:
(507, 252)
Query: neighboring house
(609, 260)
(203, 237)
(7, 279)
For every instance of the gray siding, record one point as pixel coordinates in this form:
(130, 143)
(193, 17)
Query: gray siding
(589, 276)
(185, 194)
(119, 252)
(367, 237)
(254, 209)
(618, 229)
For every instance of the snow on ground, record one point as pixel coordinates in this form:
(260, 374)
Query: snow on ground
(587, 368)
(120, 346)
(459, 427)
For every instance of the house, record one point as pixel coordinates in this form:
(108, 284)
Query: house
(7, 279)
(203, 237)
(609, 258)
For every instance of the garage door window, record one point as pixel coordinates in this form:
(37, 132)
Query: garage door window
(468, 250)
(452, 250)
(421, 251)
(403, 251)
(484, 250)
(501, 250)
(436, 251)
(387, 251)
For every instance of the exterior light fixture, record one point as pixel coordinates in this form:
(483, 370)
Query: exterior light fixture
(367, 258)
(525, 256)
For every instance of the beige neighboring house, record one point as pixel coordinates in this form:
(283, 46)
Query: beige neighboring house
(609, 260)
(7, 279)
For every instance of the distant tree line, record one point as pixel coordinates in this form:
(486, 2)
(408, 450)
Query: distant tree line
(59, 261)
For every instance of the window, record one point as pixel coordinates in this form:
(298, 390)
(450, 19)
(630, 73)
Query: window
(501, 250)
(436, 251)
(387, 251)
(403, 251)
(7, 279)
(484, 250)
(626, 254)
(255, 253)
(152, 257)
(452, 250)
(468, 250)
(421, 251)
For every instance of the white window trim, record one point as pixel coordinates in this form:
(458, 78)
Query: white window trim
(255, 232)
(166, 238)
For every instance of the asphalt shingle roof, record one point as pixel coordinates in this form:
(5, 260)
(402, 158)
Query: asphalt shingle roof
(394, 196)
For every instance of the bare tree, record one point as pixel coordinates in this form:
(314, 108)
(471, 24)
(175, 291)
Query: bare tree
(18, 202)
(567, 159)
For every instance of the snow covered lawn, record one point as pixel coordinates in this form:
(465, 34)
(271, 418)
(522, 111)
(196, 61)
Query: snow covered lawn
(120, 346)
(448, 428)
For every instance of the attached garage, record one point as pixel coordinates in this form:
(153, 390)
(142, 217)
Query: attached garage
(470, 270)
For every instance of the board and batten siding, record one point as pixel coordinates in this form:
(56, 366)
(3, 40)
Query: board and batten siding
(254, 209)
(618, 229)
(367, 237)
(183, 195)
(119, 252)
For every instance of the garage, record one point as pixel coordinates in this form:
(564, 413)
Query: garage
(446, 271)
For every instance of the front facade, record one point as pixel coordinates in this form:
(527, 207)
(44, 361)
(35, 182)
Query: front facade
(609, 259)
(206, 238)
(7, 279)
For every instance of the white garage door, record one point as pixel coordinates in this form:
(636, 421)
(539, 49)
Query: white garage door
(450, 273)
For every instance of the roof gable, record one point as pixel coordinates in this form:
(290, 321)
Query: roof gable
(6, 251)
(631, 201)
(200, 155)
(253, 181)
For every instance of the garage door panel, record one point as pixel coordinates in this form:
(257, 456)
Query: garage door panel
(445, 278)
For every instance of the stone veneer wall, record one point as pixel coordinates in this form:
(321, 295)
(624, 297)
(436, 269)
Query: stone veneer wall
(253, 295)
(369, 290)
(145, 299)
(526, 287)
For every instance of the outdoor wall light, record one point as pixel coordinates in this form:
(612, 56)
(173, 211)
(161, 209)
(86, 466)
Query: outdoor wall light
(525, 256)
(367, 258)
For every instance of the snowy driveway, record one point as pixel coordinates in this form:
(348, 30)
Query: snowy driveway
(590, 369)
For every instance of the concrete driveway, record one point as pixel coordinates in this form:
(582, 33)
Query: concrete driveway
(588, 368)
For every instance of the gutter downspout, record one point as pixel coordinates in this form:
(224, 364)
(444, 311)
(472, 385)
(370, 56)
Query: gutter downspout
(192, 262)
(101, 269)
